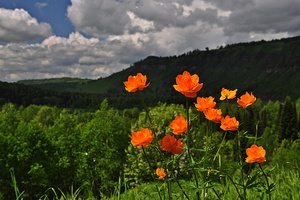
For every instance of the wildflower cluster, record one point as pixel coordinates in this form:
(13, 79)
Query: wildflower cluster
(188, 85)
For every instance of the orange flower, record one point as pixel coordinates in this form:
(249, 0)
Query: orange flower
(142, 138)
(229, 123)
(214, 115)
(227, 94)
(170, 144)
(246, 100)
(188, 85)
(160, 172)
(205, 103)
(255, 154)
(135, 83)
(179, 125)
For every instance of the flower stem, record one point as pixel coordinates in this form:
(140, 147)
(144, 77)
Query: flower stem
(178, 183)
(151, 173)
(241, 165)
(188, 149)
(220, 146)
(145, 107)
(266, 177)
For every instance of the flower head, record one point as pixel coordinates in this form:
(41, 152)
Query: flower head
(135, 83)
(142, 138)
(229, 123)
(227, 94)
(255, 154)
(246, 100)
(160, 172)
(171, 144)
(188, 85)
(204, 104)
(179, 125)
(213, 114)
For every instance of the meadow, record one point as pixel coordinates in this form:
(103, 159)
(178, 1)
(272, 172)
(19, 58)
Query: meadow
(54, 153)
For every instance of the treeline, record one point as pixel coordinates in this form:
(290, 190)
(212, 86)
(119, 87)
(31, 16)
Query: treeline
(52, 147)
(269, 69)
(25, 95)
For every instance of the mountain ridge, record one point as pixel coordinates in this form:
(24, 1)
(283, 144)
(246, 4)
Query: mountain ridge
(269, 69)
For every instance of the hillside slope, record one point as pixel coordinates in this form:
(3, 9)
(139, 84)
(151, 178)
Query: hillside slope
(270, 69)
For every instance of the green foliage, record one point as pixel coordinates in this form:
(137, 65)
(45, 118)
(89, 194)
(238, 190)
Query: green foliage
(287, 154)
(286, 180)
(137, 169)
(73, 195)
(51, 147)
(288, 121)
(102, 154)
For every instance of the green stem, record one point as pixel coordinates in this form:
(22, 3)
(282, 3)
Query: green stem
(151, 173)
(188, 148)
(229, 106)
(188, 127)
(149, 117)
(178, 183)
(256, 124)
(220, 146)
(241, 165)
(267, 181)
(236, 188)
(145, 107)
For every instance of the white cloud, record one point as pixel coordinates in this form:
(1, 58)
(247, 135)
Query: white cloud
(40, 4)
(18, 26)
(75, 56)
(125, 31)
(270, 16)
(99, 17)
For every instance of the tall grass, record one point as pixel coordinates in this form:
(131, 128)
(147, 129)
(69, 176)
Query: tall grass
(15, 186)
(287, 181)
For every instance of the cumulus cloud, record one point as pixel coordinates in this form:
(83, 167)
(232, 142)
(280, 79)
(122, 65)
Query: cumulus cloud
(231, 5)
(99, 17)
(18, 26)
(249, 20)
(102, 18)
(264, 17)
(122, 32)
(75, 56)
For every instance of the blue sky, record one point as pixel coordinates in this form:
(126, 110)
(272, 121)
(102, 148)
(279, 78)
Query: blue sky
(50, 11)
(95, 38)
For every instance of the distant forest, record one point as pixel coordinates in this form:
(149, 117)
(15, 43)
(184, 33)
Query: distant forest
(269, 69)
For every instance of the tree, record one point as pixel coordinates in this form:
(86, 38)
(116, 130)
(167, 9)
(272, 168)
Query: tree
(102, 149)
(288, 122)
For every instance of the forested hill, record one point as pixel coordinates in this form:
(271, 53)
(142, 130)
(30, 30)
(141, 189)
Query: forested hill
(271, 70)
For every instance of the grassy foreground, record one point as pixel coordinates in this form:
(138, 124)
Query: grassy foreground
(286, 179)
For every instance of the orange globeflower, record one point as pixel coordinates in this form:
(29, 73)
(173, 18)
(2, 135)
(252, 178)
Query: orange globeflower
(246, 100)
(255, 154)
(135, 83)
(160, 172)
(227, 94)
(229, 123)
(204, 104)
(142, 138)
(188, 85)
(170, 144)
(179, 125)
(213, 114)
